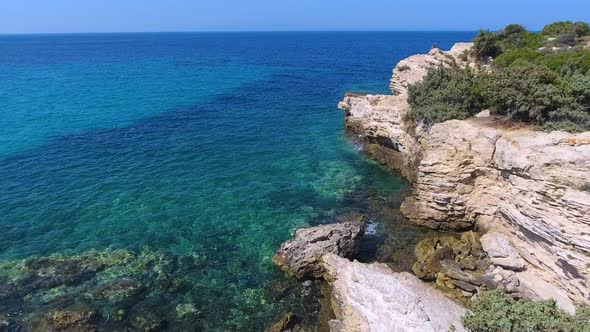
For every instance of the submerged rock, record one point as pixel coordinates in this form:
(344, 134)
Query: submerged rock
(117, 290)
(289, 323)
(186, 310)
(71, 320)
(370, 297)
(302, 256)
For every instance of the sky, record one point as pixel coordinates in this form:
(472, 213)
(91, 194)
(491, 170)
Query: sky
(65, 16)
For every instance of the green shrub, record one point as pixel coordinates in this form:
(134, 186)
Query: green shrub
(580, 29)
(522, 92)
(558, 28)
(521, 54)
(533, 41)
(445, 94)
(573, 113)
(497, 312)
(578, 61)
(513, 35)
(511, 30)
(533, 93)
(539, 87)
(486, 45)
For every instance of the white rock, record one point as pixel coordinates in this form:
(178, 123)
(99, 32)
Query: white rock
(501, 252)
(537, 289)
(483, 114)
(370, 297)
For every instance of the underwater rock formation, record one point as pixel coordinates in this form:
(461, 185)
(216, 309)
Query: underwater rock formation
(118, 290)
(302, 256)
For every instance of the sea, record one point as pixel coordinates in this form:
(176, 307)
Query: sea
(147, 179)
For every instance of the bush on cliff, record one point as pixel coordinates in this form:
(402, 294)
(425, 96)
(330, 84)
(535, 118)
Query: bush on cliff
(445, 94)
(545, 88)
(536, 94)
(522, 92)
(486, 45)
(497, 312)
(579, 29)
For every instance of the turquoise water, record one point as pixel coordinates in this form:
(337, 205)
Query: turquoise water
(209, 147)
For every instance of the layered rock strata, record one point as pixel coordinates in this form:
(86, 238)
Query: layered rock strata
(531, 187)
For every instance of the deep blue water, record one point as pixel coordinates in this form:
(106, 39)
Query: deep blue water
(214, 146)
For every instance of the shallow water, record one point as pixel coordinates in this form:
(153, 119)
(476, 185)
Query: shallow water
(193, 156)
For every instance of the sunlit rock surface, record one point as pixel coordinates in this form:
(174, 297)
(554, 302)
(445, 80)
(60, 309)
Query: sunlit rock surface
(529, 186)
(302, 256)
(370, 297)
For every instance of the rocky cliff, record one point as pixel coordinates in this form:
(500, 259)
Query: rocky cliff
(531, 187)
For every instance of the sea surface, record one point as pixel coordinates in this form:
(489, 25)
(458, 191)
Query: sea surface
(149, 178)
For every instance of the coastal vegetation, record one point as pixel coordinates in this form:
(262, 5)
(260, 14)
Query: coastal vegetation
(498, 312)
(542, 79)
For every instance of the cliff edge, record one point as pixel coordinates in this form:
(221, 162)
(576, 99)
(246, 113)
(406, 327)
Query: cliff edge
(530, 186)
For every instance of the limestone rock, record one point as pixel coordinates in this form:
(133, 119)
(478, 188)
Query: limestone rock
(498, 278)
(501, 252)
(414, 68)
(370, 297)
(302, 255)
(454, 156)
(535, 288)
(530, 186)
(483, 114)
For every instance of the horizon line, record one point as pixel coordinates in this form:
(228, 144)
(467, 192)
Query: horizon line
(223, 31)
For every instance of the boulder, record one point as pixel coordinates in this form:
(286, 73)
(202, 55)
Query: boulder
(302, 256)
(497, 277)
(501, 252)
(371, 297)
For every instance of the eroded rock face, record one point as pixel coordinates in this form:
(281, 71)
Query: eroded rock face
(413, 69)
(302, 256)
(532, 187)
(379, 119)
(455, 155)
(370, 297)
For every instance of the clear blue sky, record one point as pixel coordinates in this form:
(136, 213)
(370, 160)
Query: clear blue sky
(31, 16)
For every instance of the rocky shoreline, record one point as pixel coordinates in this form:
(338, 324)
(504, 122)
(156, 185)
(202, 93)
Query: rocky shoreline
(526, 193)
